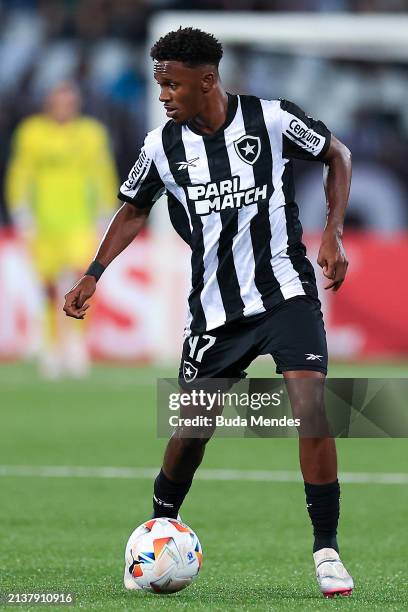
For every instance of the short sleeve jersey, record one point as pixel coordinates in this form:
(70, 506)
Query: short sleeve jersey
(231, 198)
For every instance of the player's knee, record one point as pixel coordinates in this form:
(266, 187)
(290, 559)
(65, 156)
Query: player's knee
(308, 409)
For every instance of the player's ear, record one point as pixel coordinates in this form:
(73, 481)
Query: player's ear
(208, 80)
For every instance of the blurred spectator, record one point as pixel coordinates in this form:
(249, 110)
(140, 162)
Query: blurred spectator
(60, 180)
(101, 45)
(380, 6)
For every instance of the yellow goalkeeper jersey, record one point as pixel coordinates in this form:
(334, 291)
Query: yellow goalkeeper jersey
(63, 172)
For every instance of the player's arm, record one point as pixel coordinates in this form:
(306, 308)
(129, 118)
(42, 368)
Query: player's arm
(123, 229)
(305, 138)
(139, 192)
(336, 179)
(102, 170)
(20, 177)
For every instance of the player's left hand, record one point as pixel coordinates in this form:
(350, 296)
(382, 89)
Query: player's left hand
(332, 258)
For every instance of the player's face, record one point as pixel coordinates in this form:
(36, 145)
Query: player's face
(183, 89)
(63, 103)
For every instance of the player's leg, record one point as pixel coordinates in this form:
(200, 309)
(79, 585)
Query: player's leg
(222, 355)
(317, 454)
(50, 358)
(79, 247)
(181, 459)
(318, 462)
(74, 348)
(298, 345)
(184, 453)
(299, 348)
(47, 262)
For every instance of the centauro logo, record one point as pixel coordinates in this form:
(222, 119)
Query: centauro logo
(222, 195)
(306, 137)
(138, 169)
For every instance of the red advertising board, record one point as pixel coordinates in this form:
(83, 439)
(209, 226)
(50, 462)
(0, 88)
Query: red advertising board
(139, 310)
(370, 312)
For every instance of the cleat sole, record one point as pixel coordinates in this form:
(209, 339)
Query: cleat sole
(340, 593)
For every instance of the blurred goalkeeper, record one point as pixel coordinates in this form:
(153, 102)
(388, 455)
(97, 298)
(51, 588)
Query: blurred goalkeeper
(60, 179)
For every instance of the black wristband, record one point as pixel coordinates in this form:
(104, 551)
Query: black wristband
(96, 270)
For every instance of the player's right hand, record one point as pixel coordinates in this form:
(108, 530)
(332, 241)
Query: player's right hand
(75, 300)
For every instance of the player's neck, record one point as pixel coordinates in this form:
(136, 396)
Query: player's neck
(214, 114)
(61, 119)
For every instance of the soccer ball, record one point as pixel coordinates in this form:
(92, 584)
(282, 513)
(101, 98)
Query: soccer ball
(163, 555)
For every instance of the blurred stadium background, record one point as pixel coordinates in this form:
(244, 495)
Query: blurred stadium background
(343, 61)
(77, 458)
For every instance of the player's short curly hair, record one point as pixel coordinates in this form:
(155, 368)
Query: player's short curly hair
(191, 46)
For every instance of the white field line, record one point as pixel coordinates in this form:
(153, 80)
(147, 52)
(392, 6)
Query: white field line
(71, 471)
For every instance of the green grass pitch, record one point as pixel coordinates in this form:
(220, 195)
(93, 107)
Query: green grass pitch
(68, 533)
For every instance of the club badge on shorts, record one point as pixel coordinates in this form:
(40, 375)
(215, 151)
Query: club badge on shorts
(189, 371)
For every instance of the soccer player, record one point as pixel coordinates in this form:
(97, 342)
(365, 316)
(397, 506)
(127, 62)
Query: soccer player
(60, 179)
(225, 162)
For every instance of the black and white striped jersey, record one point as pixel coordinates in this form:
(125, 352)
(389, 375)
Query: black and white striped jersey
(231, 198)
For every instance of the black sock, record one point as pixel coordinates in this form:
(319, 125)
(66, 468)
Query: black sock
(323, 505)
(168, 496)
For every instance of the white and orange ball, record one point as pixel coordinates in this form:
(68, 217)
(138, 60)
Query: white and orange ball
(162, 555)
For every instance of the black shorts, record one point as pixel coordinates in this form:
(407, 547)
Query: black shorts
(293, 333)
